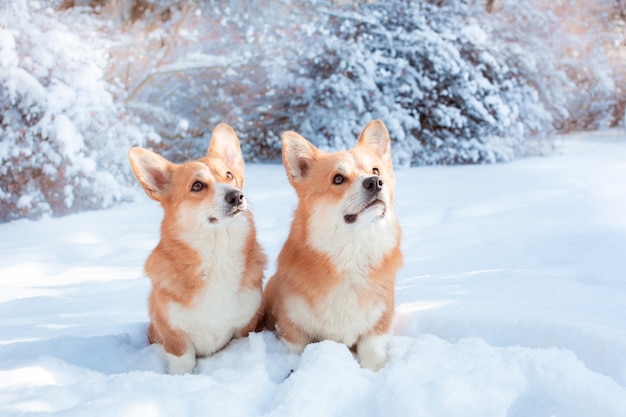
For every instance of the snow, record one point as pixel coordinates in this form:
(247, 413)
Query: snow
(511, 302)
(59, 117)
(453, 83)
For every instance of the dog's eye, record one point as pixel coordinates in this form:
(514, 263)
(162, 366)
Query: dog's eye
(338, 179)
(375, 171)
(229, 176)
(198, 186)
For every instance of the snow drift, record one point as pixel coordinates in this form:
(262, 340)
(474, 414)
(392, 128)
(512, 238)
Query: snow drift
(510, 303)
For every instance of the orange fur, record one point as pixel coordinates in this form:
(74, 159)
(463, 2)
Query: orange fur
(207, 269)
(336, 272)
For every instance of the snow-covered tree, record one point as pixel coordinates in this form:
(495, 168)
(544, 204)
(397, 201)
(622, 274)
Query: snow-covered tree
(561, 49)
(63, 139)
(207, 63)
(428, 72)
(456, 81)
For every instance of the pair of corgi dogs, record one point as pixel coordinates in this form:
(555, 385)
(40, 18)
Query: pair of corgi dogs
(335, 274)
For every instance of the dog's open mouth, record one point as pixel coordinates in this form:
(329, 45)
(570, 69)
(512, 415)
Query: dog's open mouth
(235, 211)
(351, 218)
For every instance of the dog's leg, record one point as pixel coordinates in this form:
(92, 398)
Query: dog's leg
(269, 320)
(371, 351)
(255, 324)
(293, 347)
(291, 335)
(153, 335)
(179, 352)
(179, 365)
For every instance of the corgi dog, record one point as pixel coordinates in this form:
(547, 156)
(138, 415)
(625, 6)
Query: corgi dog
(335, 274)
(207, 269)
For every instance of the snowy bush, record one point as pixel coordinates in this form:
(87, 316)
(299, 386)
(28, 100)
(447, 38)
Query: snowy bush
(64, 139)
(81, 81)
(454, 83)
(561, 51)
(211, 62)
(431, 76)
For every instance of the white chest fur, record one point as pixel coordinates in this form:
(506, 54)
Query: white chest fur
(222, 307)
(353, 248)
(346, 312)
(343, 316)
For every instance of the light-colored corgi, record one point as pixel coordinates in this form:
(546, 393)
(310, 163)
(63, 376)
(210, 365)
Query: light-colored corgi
(336, 272)
(207, 270)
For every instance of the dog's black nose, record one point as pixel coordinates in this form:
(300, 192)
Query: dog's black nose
(373, 184)
(234, 197)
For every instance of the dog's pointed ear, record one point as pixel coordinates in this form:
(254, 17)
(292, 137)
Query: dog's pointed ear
(298, 155)
(225, 146)
(153, 172)
(375, 137)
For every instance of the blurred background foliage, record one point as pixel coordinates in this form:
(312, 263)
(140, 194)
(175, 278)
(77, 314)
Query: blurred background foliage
(456, 81)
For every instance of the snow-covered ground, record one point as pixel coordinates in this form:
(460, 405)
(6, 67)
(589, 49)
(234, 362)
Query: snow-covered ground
(512, 301)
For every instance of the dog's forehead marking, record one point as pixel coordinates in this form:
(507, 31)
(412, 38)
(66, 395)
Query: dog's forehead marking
(365, 161)
(344, 166)
(360, 162)
(203, 172)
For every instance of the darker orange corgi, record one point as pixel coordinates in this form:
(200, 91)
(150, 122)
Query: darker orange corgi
(336, 272)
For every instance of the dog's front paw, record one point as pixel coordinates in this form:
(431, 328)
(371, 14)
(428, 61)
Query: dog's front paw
(372, 362)
(296, 348)
(179, 365)
(372, 352)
